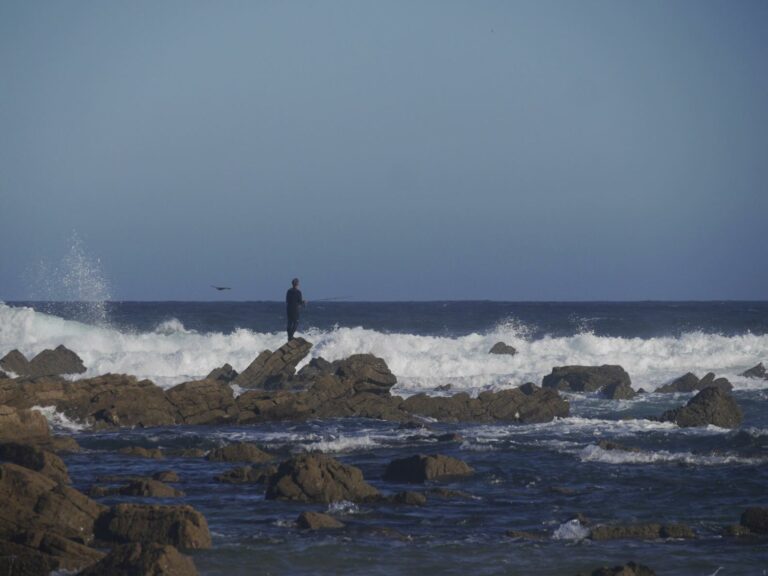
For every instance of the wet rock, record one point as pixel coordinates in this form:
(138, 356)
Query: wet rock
(502, 348)
(754, 372)
(180, 526)
(150, 488)
(203, 402)
(60, 360)
(710, 406)
(366, 373)
(18, 560)
(421, 468)
(610, 445)
(223, 374)
(618, 391)
(448, 494)
(247, 475)
(448, 437)
(269, 368)
(443, 388)
(585, 378)
(190, 453)
(525, 535)
(141, 452)
(239, 452)
(166, 476)
(317, 521)
(629, 569)
(15, 362)
(3, 375)
(147, 559)
(38, 552)
(689, 382)
(35, 458)
(641, 531)
(319, 478)
(60, 445)
(755, 519)
(23, 425)
(315, 368)
(409, 498)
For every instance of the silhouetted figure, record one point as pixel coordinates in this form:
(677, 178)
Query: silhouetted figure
(293, 302)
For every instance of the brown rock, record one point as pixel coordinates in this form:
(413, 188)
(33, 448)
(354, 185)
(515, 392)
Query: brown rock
(317, 521)
(146, 559)
(166, 476)
(180, 526)
(203, 402)
(150, 488)
(710, 406)
(366, 373)
(247, 475)
(225, 374)
(61, 360)
(66, 554)
(18, 560)
(18, 425)
(141, 452)
(35, 458)
(269, 369)
(629, 569)
(422, 468)
(409, 498)
(239, 452)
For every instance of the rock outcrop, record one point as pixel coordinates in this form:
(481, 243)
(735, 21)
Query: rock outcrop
(203, 402)
(421, 468)
(239, 452)
(618, 391)
(35, 458)
(585, 378)
(319, 478)
(757, 371)
(180, 526)
(224, 374)
(147, 559)
(689, 382)
(317, 521)
(60, 360)
(502, 348)
(270, 369)
(710, 406)
(39, 553)
(15, 362)
(20, 425)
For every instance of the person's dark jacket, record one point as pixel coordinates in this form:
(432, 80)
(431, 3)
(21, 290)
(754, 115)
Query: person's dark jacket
(293, 301)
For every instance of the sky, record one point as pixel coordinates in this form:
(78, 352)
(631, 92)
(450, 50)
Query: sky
(399, 150)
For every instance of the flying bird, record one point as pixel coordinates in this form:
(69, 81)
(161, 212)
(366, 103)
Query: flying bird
(220, 288)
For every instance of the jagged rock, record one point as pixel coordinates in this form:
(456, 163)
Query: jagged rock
(366, 373)
(317, 521)
(166, 476)
(23, 425)
(629, 569)
(203, 402)
(756, 519)
(35, 502)
(150, 488)
(40, 553)
(319, 478)
(60, 360)
(224, 374)
(754, 372)
(618, 391)
(146, 559)
(141, 452)
(15, 362)
(421, 468)
(239, 452)
(689, 382)
(35, 458)
(710, 406)
(315, 368)
(270, 368)
(502, 348)
(642, 531)
(409, 498)
(180, 526)
(247, 475)
(585, 378)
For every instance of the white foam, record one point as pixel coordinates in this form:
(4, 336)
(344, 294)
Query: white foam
(58, 420)
(571, 530)
(593, 453)
(343, 444)
(171, 353)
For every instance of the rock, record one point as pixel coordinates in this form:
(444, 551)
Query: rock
(448, 437)
(146, 559)
(3, 375)
(239, 452)
(709, 381)
(141, 452)
(443, 388)
(247, 475)
(180, 526)
(166, 476)
(32, 501)
(629, 569)
(585, 378)
(190, 453)
(421, 468)
(502, 348)
(642, 531)
(319, 478)
(754, 372)
(710, 406)
(224, 374)
(23, 425)
(366, 373)
(60, 445)
(150, 488)
(447, 494)
(65, 553)
(756, 519)
(618, 391)
(525, 535)
(315, 368)
(736, 531)
(409, 498)
(15, 362)
(269, 369)
(60, 360)
(35, 458)
(203, 402)
(690, 383)
(317, 521)
(610, 445)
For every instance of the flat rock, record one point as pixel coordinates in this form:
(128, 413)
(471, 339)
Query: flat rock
(421, 468)
(585, 378)
(710, 406)
(239, 452)
(317, 521)
(269, 368)
(35, 458)
(756, 519)
(147, 559)
(319, 478)
(502, 348)
(180, 526)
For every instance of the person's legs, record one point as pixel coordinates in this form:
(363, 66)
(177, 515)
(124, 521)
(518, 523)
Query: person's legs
(293, 324)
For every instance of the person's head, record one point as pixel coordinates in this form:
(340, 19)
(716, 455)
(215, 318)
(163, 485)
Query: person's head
(295, 282)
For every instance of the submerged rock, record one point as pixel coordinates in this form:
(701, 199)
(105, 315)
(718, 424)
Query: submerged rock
(641, 531)
(180, 526)
(710, 406)
(317, 521)
(409, 498)
(239, 452)
(247, 475)
(502, 348)
(146, 559)
(421, 468)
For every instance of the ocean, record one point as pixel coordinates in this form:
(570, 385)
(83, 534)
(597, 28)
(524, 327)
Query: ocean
(553, 478)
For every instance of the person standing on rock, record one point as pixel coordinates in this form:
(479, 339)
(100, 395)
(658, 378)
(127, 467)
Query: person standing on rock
(293, 302)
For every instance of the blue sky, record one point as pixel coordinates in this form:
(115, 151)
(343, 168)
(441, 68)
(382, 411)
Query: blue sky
(504, 150)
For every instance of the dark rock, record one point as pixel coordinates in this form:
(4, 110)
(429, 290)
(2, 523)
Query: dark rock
(642, 531)
(502, 348)
(754, 372)
(147, 559)
(317, 521)
(190, 453)
(3, 375)
(315, 368)
(61, 553)
(203, 402)
(60, 445)
(247, 475)
(444, 388)
(688, 382)
(239, 452)
(366, 373)
(448, 494)
(736, 531)
(629, 569)
(525, 535)
(585, 378)
(18, 560)
(269, 369)
(224, 374)
(23, 425)
(421, 468)
(618, 391)
(150, 488)
(756, 519)
(60, 360)
(710, 406)
(35, 458)
(166, 476)
(141, 452)
(448, 437)
(319, 478)
(610, 445)
(180, 526)
(15, 362)
(409, 498)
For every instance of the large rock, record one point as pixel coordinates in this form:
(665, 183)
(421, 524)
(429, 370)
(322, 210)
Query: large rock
(642, 531)
(35, 458)
(23, 425)
(60, 360)
(629, 569)
(421, 468)
(689, 382)
(269, 368)
(319, 478)
(203, 402)
(366, 373)
(754, 372)
(710, 406)
(139, 559)
(149, 488)
(317, 521)
(239, 452)
(756, 519)
(585, 378)
(40, 553)
(502, 348)
(224, 373)
(15, 362)
(180, 526)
